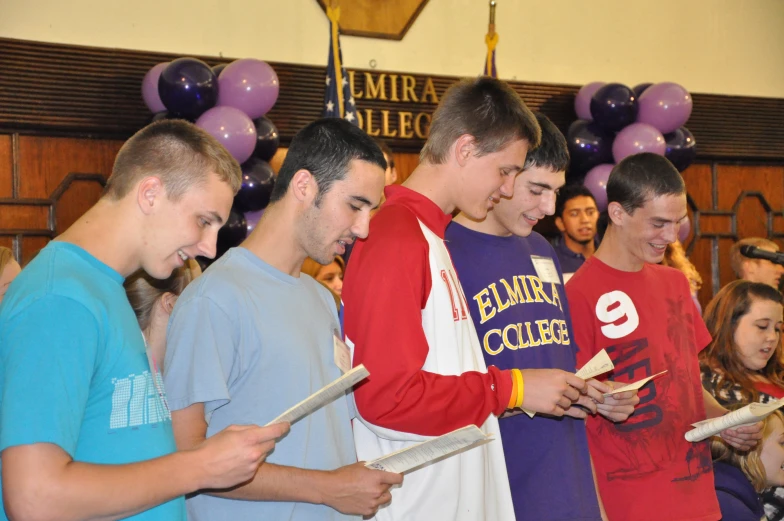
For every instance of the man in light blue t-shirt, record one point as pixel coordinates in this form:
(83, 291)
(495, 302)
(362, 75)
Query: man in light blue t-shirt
(253, 336)
(85, 430)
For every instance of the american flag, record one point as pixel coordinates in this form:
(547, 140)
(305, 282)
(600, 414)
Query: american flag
(338, 101)
(491, 39)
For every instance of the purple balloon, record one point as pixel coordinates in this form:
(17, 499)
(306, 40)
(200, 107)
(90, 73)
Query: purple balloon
(252, 218)
(582, 102)
(684, 230)
(666, 106)
(188, 87)
(637, 138)
(233, 128)
(150, 89)
(596, 181)
(639, 89)
(681, 148)
(219, 68)
(614, 106)
(588, 146)
(249, 85)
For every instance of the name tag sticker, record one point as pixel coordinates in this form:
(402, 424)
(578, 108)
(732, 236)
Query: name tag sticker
(342, 354)
(545, 269)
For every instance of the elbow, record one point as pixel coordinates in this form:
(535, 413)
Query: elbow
(28, 509)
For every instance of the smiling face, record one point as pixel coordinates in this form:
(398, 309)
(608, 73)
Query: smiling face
(176, 231)
(757, 333)
(646, 232)
(535, 190)
(483, 180)
(331, 276)
(343, 213)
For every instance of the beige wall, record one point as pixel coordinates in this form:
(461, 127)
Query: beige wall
(716, 46)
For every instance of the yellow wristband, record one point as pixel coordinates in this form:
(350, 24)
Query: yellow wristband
(520, 390)
(513, 396)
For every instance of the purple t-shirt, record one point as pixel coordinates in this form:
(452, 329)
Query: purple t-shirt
(523, 321)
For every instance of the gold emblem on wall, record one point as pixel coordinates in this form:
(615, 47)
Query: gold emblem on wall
(387, 19)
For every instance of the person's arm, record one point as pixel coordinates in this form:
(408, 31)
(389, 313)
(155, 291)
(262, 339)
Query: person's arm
(353, 489)
(598, 494)
(744, 437)
(47, 374)
(41, 481)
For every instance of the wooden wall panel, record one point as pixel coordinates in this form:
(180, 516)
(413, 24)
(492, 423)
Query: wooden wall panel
(6, 166)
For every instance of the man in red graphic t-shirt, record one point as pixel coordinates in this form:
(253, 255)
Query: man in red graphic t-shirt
(643, 315)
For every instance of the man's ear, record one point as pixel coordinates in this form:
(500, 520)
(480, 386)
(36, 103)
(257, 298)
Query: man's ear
(617, 213)
(463, 148)
(560, 225)
(303, 186)
(149, 192)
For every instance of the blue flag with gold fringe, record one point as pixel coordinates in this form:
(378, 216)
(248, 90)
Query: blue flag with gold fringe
(338, 102)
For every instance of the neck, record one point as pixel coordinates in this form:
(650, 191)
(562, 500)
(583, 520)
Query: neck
(275, 238)
(586, 250)
(108, 232)
(155, 336)
(612, 252)
(489, 225)
(433, 181)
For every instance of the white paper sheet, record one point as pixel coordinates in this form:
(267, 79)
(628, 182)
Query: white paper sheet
(420, 454)
(634, 386)
(323, 396)
(752, 413)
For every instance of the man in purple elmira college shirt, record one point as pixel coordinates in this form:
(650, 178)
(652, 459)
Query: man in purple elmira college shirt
(575, 216)
(514, 286)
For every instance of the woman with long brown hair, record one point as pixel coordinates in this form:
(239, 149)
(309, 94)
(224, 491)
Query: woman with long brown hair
(742, 364)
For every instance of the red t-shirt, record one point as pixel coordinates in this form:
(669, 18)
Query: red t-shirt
(647, 322)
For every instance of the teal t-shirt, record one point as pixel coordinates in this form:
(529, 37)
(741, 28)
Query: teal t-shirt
(74, 369)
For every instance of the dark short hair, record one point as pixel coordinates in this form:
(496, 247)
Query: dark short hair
(569, 192)
(325, 148)
(552, 151)
(487, 109)
(642, 177)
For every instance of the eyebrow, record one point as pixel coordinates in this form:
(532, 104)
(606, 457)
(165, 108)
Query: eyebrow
(215, 216)
(541, 185)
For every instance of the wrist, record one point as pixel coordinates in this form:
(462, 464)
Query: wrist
(188, 467)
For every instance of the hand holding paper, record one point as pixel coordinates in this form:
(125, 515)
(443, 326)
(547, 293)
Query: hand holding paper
(750, 414)
(597, 365)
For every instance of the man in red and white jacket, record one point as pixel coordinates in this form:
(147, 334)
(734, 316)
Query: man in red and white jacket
(407, 320)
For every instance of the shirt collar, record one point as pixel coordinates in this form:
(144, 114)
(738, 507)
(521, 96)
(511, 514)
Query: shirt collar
(425, 209)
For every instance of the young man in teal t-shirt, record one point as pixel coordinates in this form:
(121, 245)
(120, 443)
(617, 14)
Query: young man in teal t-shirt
(85, 429)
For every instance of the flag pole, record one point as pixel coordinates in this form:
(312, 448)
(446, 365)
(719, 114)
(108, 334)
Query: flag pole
(491, 39)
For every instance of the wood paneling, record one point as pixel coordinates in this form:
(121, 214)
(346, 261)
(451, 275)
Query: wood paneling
(389, 20)
(53, 88)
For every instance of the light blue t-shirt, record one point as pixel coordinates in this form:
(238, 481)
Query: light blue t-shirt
(250, 341)
(74, 369)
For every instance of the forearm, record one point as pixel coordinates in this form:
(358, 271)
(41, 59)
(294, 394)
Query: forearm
(81, 491)
(712, 408)
(598, 494)
(280, 483)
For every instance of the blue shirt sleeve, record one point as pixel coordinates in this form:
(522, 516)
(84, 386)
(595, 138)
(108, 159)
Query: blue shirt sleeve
(48, 352)
(200, 354)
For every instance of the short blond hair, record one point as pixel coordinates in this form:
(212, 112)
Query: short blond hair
(179, 153)
(737, 260)
(750, 463)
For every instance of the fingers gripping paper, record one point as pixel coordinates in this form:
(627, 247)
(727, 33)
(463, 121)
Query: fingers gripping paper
(752, 413)
(323, 396)
(597, 365)
(420, 454)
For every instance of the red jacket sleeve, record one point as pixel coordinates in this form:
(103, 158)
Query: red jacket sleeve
(386, 287)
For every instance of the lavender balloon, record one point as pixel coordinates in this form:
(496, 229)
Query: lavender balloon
(252, 218)
(637, 138)
(232, 128)
(596, 181)
(640, 88)
(150, 89)
(249, 85)
(665, 106)
(582, 102)
(684, 230)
